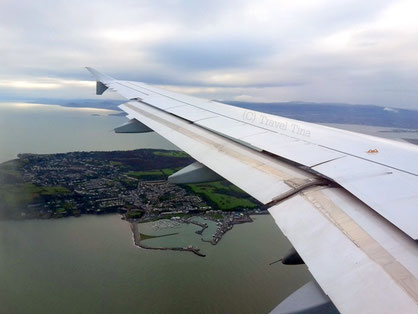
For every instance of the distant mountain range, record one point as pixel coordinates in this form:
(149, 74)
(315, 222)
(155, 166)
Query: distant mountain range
(311, 112)
(338, 113)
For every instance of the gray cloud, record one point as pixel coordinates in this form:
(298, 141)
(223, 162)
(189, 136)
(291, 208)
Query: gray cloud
(211, 53)
(340, 51)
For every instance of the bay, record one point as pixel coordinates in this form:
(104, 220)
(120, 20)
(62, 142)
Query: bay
(90, 264)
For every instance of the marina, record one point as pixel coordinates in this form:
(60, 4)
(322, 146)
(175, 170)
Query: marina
(222, 226)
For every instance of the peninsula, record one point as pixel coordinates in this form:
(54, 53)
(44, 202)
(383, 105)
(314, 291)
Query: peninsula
(132, 183)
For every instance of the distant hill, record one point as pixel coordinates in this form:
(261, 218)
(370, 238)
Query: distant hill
(338, 113)
(109, 104)
(311, 112)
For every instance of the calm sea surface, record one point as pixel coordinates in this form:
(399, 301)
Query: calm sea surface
(33, 128)
(90, 265)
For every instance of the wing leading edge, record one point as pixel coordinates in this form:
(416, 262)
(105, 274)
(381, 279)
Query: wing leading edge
(346, 235)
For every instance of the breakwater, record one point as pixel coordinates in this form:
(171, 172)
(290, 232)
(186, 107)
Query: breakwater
(137, 241)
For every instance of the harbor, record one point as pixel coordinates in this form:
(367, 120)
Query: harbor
(222, 226)
(138, 239)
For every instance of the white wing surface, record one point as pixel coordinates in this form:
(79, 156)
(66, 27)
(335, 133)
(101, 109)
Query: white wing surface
(347, 202)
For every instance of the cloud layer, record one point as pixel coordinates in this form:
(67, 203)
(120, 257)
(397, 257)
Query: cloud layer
(325, 51)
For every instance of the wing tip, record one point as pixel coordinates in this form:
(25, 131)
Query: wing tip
(100, 77)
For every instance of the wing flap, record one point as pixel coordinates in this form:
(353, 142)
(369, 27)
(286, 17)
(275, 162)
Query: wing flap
(391, 193)
(347, 262)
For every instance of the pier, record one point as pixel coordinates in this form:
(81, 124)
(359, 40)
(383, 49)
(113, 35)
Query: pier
(187, 249)
(137, 241)
(191, 221)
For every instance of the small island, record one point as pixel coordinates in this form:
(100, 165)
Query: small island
(132, 183)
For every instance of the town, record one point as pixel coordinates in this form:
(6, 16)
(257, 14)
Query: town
(132, 183)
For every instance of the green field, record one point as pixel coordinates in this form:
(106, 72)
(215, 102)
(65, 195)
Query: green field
(26, 193)
(15, 197)
(9, 172)
(45, 190)
(223, 195)
(152, 174)
(168, 171)
(177, 154)
(147, 175)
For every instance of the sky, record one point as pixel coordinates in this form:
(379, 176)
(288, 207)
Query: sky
(346, 51)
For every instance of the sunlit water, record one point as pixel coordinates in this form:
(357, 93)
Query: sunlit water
(34, 128)
(90, 264)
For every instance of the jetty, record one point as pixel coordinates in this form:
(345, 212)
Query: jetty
(137, 241)
(187, 249)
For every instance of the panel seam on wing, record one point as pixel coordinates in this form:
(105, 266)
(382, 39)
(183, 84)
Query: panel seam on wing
(364, 241)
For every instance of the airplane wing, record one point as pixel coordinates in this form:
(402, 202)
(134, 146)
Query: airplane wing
(347, 202)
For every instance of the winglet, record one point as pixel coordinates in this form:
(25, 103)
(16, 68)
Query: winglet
(100, 77)
(101, 80)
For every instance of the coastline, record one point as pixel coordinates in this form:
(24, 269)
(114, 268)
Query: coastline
(131, 183)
